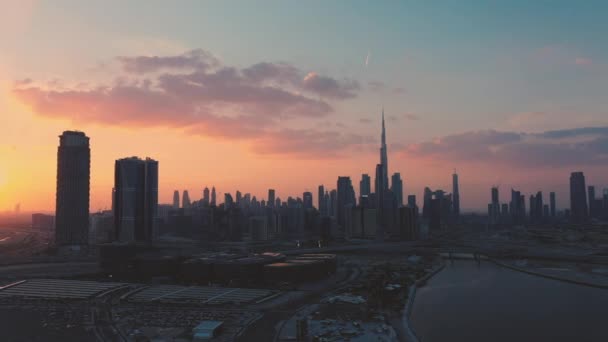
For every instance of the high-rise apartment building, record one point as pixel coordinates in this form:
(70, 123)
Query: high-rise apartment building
(136, 199)
(578, 198)
(72, 196)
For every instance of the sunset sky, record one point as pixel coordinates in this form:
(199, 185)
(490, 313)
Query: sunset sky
(251, 95)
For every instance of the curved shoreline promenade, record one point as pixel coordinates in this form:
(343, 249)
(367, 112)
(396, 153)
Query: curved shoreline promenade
(549, 276)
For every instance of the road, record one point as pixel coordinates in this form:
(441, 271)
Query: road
(268, 327)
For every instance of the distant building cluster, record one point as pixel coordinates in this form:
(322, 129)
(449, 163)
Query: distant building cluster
(585, 206)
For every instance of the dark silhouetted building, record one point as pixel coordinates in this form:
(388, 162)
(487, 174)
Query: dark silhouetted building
(578, 198)
(552, 203)
(345, 198)
(605, 204)
(186, 204)
(307, 200)
(175, 199)
(206, 199)
(136, 199)
(239, 198)
(495, 213)
(380, 190)
(591, 199)
(101, 227)
(595, 204)
(408, 227)
(271, 198)
(321, 200)
(72, 197)
(532, 207)
(517, 207)
(397, 188)
(504, 211)
(383, 156)
(435, 215)
(365, 185)
(411, 201)
(213, 197)
(455, 195)
(228, 201)
(333, 201)
(538, 206)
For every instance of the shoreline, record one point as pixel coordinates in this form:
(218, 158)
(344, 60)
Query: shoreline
(548, 276)
(407, 311)
(406, 324)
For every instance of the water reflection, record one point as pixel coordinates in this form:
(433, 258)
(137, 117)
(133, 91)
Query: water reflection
(471, 301)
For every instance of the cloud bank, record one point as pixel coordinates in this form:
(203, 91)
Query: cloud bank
(560, 148)
(197, 93)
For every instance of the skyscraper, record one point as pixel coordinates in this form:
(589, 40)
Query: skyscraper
(605, 203)
(186, 200)
(426, 205)
(205, 196)
(397, 188)
(213, 197)
(333, 200)
(411, 201)
(532, 207)
(307, 200)
(380, 192)
(72, 197)
(517, 207)
(578, 198)
(136, 198)
(384, 156)
(176, 199)
(539, 206)
(239, 197)
(591, 201)
(552, 203)
(455, 195)
(344, 198)
(228, 201)
(320, 199)
(495, 203)
(365, 185)
(271, 198)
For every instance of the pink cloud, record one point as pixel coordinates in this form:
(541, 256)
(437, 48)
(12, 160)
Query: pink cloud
(193, 92)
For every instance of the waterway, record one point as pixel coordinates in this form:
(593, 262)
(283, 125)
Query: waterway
(472, 302)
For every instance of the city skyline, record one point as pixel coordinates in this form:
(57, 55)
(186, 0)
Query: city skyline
(563, 204)
(523, 113)
(348, 195)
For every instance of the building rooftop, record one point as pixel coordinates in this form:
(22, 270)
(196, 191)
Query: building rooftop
(208, 325)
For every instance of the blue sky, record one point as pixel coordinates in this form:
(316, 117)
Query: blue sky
(481, 61)
(441, 69)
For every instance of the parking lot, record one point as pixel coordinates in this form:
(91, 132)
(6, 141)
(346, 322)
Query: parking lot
(199, 295)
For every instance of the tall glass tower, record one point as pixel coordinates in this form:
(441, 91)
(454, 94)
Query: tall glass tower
(72, 197)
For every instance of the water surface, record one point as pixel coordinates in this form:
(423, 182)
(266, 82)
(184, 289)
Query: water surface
(485, 302)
